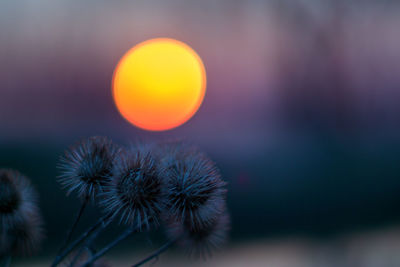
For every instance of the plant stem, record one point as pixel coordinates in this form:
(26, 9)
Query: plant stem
(73, 227)
(79, 240)
(99, 254)
(155, 253)
(89, 241)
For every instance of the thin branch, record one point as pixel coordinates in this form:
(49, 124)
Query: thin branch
(73, 227)
(90, 240)
(79, 240)
(99, 254)
(156, 253)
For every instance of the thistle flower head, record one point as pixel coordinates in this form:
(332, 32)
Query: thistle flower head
(201, 242)
(135, 190)
(17, 198)
(195, 192)
(87, 166)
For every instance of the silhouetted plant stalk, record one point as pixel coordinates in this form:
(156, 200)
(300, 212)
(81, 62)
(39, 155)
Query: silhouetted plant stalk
(128, 232)
(73, 227)
(76, 221)
(156, 253)
(89, 241)
(86, 168)
(80, 239)
(147, 185)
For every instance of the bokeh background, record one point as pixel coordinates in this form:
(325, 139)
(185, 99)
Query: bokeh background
(302, 115)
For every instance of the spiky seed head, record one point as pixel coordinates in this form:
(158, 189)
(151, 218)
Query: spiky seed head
(167, 153)
(201, 242)
(195, 192)
(87, 166)
(135, 190)
(17, 198)
(24, 237)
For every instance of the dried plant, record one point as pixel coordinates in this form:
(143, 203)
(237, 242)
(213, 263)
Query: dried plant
(195, 191)
(86, 167)
(202, 241)
(146, 185)
(135, 190)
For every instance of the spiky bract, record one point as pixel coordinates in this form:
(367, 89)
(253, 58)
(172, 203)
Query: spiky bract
(201, 242)
(135, 190)
(167, 153)
(87, 166)
(195, 192)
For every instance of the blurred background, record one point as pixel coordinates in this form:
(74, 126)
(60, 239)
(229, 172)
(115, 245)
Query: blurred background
(301, 114)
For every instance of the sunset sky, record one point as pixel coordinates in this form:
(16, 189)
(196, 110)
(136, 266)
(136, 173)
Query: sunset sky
(58, 58)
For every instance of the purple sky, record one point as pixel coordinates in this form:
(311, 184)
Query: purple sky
(57, 59)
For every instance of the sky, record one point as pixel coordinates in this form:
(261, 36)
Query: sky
(58, 55)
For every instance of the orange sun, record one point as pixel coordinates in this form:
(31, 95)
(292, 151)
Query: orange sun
(159, 84)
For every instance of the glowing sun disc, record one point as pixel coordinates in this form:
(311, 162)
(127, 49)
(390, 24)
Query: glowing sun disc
(159, 84)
